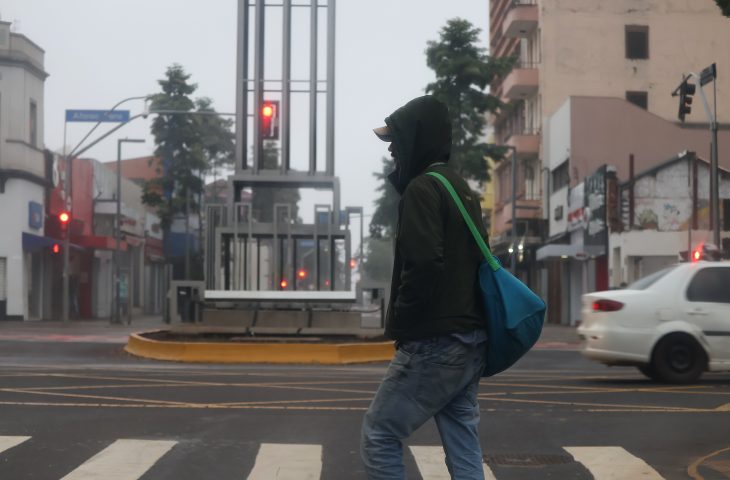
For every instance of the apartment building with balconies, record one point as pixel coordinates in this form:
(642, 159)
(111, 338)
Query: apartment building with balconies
(632, 50)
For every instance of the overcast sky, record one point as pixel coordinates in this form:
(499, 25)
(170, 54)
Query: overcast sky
(99, 52)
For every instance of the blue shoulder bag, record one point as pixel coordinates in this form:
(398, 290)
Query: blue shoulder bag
(515, 314)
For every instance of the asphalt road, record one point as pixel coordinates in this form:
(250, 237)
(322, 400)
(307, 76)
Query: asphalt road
(73, 409)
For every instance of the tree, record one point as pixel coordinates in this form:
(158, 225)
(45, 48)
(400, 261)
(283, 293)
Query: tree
(378, 263)
(463, 71)
(382, 225)
(189, 146)
(724, 6)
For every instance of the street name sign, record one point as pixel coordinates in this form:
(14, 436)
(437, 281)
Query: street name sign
(119, 116)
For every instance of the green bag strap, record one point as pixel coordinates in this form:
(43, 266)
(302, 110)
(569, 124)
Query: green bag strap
(493, 263)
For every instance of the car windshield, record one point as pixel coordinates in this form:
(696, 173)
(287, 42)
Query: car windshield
(646, 282)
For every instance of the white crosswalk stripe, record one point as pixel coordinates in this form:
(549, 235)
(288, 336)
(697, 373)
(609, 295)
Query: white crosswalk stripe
(431, 463)
(277, 461)
(10, 441)
(613, 463)
(129, 459)
(122, 460)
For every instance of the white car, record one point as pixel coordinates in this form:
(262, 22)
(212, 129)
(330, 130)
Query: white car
(673, 325)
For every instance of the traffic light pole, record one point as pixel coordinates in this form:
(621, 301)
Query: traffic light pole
(714, 172)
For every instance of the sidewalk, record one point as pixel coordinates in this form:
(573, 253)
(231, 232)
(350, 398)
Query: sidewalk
(93, 330)
(101, 330)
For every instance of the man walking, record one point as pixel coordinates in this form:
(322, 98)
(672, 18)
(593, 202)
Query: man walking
(435, 313)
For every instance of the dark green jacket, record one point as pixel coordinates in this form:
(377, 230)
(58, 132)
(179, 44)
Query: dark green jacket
(434, 290)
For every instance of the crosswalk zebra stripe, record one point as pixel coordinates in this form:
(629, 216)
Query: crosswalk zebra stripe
(277, 461)
(9, 442)
(613, 463)
(124, 459)
(431, 463)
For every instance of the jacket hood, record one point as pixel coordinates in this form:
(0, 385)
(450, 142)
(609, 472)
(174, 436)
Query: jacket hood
(422, 135)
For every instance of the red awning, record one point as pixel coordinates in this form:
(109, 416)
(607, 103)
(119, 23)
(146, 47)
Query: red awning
(99, 243)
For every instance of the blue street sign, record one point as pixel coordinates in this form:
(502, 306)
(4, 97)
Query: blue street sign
(97, 116)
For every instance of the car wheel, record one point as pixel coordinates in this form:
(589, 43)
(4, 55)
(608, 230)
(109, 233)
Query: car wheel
(648, 371)
(678, 358)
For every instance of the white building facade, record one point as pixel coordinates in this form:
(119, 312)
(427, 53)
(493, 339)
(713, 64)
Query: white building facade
(24, 177)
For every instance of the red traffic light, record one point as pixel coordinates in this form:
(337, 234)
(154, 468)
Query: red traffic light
(283, 284)
(302, 274)
(353, 263)
(269, 120)
(56, 248)
(64, 217)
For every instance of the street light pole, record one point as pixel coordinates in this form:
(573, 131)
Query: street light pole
(513, 232)
(513, 240)
(69, 205)
(118, 230)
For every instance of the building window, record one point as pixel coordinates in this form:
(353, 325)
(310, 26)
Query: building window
(504, 184)
(561, 176)
(33, 124)
(640, 99)
(637, 42)
(531, 185)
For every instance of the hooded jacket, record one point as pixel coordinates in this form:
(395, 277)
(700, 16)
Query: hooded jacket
(434, 289)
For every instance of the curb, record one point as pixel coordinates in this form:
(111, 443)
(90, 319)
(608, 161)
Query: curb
(212, 352)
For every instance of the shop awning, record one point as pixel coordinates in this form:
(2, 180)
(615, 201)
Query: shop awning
(32, 242)
(566, 250)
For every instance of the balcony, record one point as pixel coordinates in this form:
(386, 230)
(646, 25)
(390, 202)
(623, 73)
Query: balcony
(515, 131)
(523, 81)
(521, 20)
(527, 143)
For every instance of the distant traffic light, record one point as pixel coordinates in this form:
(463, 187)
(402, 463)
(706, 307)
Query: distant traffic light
(56, 248)
(686, 90)
(269, 120)
(283, 284)
(302, 274)
(704, 251)
(63, 220)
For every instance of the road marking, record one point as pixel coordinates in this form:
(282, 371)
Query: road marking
(122, 460)
(431, 463)
(692, 469)
(613, 463)
(9, 442)
(277, 461)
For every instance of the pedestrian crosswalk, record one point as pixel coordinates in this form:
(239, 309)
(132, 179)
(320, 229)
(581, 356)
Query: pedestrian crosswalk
(130, 459)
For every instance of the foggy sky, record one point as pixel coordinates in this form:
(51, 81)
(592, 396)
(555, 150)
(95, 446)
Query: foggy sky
(99, 52)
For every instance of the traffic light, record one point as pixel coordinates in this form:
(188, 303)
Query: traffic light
(63, 220)
(704, 251)
(686, 90)
(302, 274)
(269, 120)
(56, 248)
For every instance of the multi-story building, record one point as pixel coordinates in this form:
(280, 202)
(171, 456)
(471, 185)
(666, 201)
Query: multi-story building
(635, 51)
(24, 176)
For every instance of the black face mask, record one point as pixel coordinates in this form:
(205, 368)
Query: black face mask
(398, 180)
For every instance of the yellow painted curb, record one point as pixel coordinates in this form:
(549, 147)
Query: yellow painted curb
(219, 352)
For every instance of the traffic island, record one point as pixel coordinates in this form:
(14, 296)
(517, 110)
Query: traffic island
(237, 347)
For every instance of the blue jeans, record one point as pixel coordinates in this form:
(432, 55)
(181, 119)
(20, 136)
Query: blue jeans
(436, 377)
